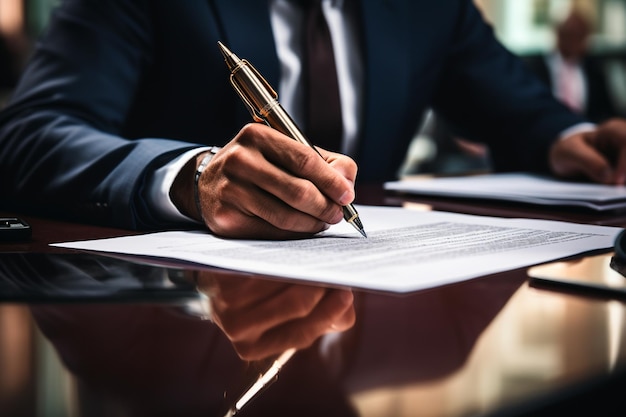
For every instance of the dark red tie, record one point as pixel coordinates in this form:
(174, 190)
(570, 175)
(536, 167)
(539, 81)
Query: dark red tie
(323, 123)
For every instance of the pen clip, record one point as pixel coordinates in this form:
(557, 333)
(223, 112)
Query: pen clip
(256, 115)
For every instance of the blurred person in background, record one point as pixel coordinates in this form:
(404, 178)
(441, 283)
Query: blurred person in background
(577, 78)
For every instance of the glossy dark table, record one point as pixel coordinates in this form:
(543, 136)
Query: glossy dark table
(87, 335)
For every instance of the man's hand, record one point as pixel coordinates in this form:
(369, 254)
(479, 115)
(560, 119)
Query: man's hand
(599, 155)
(266, 185)
(263, 318)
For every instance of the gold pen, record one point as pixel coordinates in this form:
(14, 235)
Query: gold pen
(261, 100)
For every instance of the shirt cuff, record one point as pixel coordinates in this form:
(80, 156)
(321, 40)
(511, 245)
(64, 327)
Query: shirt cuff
(576, 129)
(160, 183)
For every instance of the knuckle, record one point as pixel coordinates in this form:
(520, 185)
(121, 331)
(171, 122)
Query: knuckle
(235, 158)
(246, 138)
(251, 134)
(250, 130)
(329, 212)
(224, 222)
(307, 162)
(304, 191)
(284, 222)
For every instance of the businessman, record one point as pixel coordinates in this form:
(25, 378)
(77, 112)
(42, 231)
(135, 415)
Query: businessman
(123, 100)
(575, 77)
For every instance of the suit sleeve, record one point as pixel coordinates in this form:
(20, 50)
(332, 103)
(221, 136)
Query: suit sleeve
(486, 93)
(64, 151)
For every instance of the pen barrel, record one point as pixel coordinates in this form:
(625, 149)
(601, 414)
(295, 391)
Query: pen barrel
(350, 214)
(280, 120)
(263, 102)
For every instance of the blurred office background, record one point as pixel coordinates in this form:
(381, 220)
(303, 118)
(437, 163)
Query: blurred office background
(527, 28)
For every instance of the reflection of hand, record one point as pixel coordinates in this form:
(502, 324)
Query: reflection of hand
(264, 184)
(599, 155)
(263, 318)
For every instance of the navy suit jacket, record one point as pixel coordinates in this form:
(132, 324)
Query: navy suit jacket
(118, 87)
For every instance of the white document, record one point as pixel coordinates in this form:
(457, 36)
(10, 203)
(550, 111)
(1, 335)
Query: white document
(528, 188)
(405, 250)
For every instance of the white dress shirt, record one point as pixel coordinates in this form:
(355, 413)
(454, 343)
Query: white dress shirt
(568, 82)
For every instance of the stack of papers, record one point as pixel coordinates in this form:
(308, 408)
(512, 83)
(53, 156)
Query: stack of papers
(521, 187)
(405, 250)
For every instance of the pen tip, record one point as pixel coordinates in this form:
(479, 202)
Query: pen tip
(356, 222)
(231, 59)
(225, 51)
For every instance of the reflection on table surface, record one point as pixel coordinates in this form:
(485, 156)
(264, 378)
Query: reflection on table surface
(80, 335)
(89, 277)
(465, 349)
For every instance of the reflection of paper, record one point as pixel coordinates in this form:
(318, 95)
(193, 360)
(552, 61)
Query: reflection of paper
(406, 250)
(526, 188)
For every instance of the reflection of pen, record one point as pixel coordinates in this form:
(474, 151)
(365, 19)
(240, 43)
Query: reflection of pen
(261, 100)
(262, 382)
